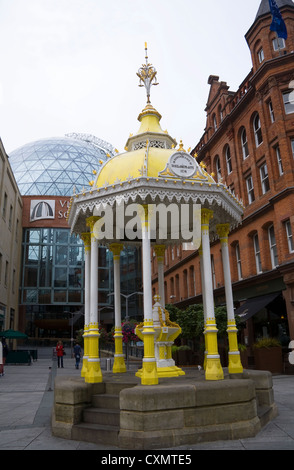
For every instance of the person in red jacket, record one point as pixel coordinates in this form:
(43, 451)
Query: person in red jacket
(59, 353)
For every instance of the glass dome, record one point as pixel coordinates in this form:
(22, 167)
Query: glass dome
(55, 166)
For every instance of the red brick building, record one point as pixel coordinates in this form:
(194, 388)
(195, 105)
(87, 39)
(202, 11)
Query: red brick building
(248, 144)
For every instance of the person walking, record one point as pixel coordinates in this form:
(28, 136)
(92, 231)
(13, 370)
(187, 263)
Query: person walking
(77, 354)
(59, 353)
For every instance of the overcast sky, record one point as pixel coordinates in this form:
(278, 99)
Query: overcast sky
(70, 65)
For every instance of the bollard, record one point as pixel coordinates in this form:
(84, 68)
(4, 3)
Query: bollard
(108, 364)
(50, 379)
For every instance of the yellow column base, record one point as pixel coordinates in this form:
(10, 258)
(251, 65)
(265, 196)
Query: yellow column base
(93, 374)
(119, 365)
(85, 357)
(235, 366)
(119, 361)
(84, 367)
(213, 369)
(171, 371)
(148, 373)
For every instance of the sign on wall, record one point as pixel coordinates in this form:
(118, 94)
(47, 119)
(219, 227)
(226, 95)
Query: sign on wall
(42, 209)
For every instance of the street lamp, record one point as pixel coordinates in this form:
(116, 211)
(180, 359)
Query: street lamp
(127, 301)
(71, 328)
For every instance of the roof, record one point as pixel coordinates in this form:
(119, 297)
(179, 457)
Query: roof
(264, 8)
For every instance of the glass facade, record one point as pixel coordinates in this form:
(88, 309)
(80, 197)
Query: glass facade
(52, 267)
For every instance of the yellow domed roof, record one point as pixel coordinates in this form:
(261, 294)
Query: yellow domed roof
(149, 152)
(131, 165)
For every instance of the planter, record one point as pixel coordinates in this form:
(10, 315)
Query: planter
(182, 357)
(269, 359)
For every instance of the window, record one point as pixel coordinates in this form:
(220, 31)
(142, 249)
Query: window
(16, 230)
(192, 290)
(218, 170)
(244, 144)
(228, 159)
(278, 43)
(273, 246)
(288, 98)
(6, 273)
(238, 260)
(280, 164)
(221, 116)
(292, 145)
(214, 122)
(257, 254)
(250, 189)
(260, 55)
(4, 206)
(271, 111)
(257, 130)
(264, 178)
(10, 217)
(13, 282)
(289, 236)
(186, 284)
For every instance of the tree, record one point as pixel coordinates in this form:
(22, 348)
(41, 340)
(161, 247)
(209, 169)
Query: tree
(191, 320)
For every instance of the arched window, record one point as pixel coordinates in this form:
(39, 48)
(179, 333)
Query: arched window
(214, 122)
(244, 144)
(228, 159)
(218, 169)
(257, 130)
(273, 246)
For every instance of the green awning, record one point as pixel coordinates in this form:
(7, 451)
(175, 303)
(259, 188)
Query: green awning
(13, 334)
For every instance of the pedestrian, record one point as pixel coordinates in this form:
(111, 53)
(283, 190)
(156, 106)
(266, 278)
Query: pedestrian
(3, 355)
(77, 354)
(60, 353)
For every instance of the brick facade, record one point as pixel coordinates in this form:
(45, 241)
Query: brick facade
(248, 144)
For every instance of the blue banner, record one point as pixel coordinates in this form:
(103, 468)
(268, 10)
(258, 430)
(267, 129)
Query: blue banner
(278, 24)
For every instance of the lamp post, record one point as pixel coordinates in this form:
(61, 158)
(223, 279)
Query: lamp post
(71, 328)
(127, 301)
(127, 316)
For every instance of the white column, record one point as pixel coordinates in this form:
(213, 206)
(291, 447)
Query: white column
(86, 237)
(235, 366)
(119, 363)
(87, 278)
(213, 369)
(94, 281)
(149, 374)
(93, 374)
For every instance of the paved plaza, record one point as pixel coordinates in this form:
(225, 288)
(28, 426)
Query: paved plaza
(26, 400)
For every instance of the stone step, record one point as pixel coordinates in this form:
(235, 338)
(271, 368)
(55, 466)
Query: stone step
(96, 433)
(114, 388)
(105, 400)
(101, 416)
